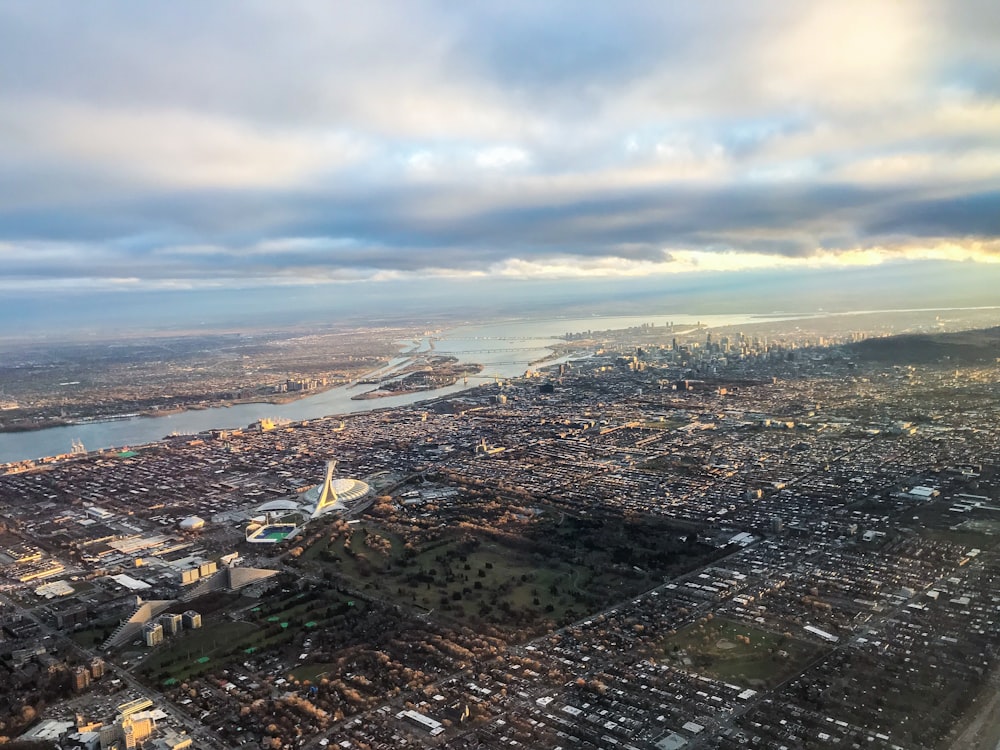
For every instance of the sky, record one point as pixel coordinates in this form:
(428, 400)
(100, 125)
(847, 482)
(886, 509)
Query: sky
(373, 148)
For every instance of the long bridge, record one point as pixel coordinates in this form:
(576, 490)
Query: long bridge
(500, 338)
(491, 351)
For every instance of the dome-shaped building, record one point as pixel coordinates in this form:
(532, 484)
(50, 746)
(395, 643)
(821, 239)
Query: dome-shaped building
(334, 494)
(192, 523)
(285, 517)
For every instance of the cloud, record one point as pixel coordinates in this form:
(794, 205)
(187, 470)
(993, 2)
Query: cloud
(501, 157)
(172, 148)
(243, 142)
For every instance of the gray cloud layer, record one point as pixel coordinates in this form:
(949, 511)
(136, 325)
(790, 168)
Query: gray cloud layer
(188, 144)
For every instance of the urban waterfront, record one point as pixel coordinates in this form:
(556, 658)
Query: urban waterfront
(701, 529)
(432, 376)
(504, 349)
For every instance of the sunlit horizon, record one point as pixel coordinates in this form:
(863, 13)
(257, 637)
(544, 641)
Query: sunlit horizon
(241, 146)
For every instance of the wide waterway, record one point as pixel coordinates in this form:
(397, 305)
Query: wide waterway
(505, 349)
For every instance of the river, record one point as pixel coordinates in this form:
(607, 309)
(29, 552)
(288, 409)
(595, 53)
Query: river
(505, 349)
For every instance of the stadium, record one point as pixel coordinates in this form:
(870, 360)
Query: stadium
(283, 518)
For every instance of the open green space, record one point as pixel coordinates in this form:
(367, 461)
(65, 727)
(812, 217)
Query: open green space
(738, 653)
(554, 571)
(980, 527)
(92, 636)
(270, 625)
(457, 575)
(179, 657)
(311, 672)
(665, 424)
(967, 537)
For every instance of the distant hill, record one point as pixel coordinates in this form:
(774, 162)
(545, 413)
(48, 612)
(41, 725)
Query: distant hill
(961, 347)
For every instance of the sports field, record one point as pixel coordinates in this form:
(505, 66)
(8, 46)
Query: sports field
(739, 653)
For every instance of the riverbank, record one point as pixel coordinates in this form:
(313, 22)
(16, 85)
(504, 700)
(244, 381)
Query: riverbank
(42, 424)
(379, 393)
(503, 350)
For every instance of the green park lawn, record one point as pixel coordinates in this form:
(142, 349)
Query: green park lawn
(467, 580)
(738, 653)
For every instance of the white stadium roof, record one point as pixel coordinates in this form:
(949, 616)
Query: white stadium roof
(282, 503)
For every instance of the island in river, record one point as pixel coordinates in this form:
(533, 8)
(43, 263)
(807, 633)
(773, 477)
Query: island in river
(425, 374)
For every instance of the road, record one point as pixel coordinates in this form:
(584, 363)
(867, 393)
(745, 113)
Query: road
(874, 623)
(522, 649)
(199, 732)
